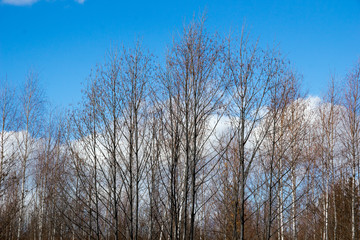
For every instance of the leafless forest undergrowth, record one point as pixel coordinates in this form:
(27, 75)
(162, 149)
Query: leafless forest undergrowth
(219, 142)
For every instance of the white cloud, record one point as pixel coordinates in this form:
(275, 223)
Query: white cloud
(19, 2)
(28, 2)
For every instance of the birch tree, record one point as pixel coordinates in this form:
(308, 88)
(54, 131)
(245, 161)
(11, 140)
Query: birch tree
(135, 76)
(351, 136)
(328, 137)
(31, 107)
(193, 91)
(251, 72)
(8, 152)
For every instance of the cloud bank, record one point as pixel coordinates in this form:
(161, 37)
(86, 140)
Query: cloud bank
(28, 2)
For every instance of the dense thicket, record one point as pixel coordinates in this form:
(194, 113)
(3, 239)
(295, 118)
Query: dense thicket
(217, 143)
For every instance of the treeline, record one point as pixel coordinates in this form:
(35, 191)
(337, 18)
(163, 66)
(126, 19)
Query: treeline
(219, 142)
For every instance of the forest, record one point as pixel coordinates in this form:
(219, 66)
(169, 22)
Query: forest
(217, 141)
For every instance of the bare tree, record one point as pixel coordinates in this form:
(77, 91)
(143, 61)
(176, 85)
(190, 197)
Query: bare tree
(251, 72)
(31, 106)
(8, 152)
(328, 137)
(193, 91)
(112, 147)
(298, 118)
(351, 136)
(47, 175)
(136, 70)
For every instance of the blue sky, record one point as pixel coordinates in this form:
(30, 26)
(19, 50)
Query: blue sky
(64, 39)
